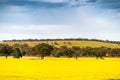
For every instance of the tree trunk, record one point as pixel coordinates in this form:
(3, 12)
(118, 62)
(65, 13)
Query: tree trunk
(6, 56)
(42, 57)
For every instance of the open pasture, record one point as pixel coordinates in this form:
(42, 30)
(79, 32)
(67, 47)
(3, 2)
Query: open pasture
(66, 43)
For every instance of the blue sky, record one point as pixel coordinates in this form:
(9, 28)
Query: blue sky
(24, 19)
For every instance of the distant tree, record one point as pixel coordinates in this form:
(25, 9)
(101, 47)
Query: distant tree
(76, 51)
(100, 53)
(69, 52)
(55, 43)
(63, 51)
(89, 51)
(115, 52)
(56, 52)
(69, 43)
(18, 53)
(84, 52)
(43, 50)
(25, 49)
(6, 50)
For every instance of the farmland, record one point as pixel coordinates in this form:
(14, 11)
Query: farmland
(62, 68)
(32, 68)
(65, 43)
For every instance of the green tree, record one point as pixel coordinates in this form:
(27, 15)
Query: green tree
(25, 49)
(62, 51)
(18, 53)
(76, 51)
(6, 50)
(55, 52)
(100, 53)
(43, 50)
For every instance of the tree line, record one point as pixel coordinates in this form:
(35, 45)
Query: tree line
(43, 49)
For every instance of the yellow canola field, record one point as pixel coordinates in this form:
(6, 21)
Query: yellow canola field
(32, 68)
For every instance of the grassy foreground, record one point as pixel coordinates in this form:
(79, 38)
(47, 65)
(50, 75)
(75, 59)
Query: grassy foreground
(31, 68)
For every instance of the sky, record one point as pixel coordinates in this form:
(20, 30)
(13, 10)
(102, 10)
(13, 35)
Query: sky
(42, 19)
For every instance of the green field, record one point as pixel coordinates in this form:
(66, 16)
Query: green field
(73, 43)
(32, 68)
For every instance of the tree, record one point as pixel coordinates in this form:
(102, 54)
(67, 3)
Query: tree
(55, 43)
(43, 50)
(25, 49)
(115, 52)
(76, 51)
(62, 51)
(55, 52)
(18, 53)
(100, 53)
(69, 43)
(69, 52)
(6, 50)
